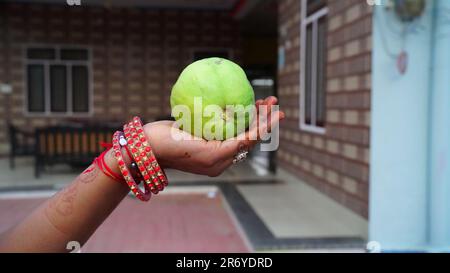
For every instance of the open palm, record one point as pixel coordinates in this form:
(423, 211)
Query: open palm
(196, 155)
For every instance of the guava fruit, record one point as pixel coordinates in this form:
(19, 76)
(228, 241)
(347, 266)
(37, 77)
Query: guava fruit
(213, 99)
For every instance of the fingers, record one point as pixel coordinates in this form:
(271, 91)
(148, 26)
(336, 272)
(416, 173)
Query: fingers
(264, 108)
(268, 103)
(265, 126)
(271, 100)
(258, 102)
(224, 151)
(246, 141)
(260, 127)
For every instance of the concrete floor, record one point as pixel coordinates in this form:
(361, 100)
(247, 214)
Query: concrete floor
(294, 209)
(23, 175)
(289, 209)
(60, 175)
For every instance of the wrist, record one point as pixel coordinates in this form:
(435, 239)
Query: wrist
(157, 151)
(112, 162)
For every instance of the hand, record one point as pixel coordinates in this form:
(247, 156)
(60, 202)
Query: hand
(196, 155)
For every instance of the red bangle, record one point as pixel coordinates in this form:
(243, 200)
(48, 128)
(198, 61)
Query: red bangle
(144, 196)
(128, 153)
(154, 177)
(139, 156)
(143, 160)
(160, 174)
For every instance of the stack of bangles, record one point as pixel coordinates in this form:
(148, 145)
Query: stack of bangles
(144, 167)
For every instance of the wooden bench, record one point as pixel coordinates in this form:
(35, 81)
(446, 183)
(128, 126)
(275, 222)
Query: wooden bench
(21, 144)
(74, 145)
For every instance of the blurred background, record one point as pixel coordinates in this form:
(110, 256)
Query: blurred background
(363, 162)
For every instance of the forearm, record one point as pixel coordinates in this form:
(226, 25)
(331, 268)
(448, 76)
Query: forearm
(73, 214)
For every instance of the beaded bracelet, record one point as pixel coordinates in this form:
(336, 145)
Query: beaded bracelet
(144, 165)
(138, 155)
(158, 177)
(117, 145)
(159, 172)
(105, 169)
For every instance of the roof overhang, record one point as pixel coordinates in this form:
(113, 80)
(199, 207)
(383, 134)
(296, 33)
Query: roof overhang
(179, 4)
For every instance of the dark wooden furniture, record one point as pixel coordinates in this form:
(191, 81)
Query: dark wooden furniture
(21, 144)
(76, 145)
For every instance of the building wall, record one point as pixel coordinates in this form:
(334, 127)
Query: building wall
(399, 161)
(137, 54)
(439, 139)
(410, 178)
(337, 162)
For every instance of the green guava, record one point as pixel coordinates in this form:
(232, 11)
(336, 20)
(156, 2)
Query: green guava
(226, 96)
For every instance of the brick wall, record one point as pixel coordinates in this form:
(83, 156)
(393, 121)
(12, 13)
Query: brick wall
(336, 163)
(137, 54)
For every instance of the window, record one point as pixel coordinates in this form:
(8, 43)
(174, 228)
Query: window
(58, 81)
(313, 65)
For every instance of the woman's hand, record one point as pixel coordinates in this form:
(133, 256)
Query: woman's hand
(196, 155)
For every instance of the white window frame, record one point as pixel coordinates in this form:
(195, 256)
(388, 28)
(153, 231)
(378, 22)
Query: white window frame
(68, 64)
(305, 22)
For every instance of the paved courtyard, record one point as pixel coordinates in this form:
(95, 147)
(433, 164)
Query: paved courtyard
(245, 207)
(162, 226)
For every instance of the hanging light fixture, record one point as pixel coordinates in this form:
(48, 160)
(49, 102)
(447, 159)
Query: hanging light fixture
(409, 10)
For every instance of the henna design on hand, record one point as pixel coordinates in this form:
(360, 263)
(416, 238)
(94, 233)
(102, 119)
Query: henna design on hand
(88, 175)
(63, 201)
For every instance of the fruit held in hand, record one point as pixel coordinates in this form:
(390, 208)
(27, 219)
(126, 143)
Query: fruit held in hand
(213, 99)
